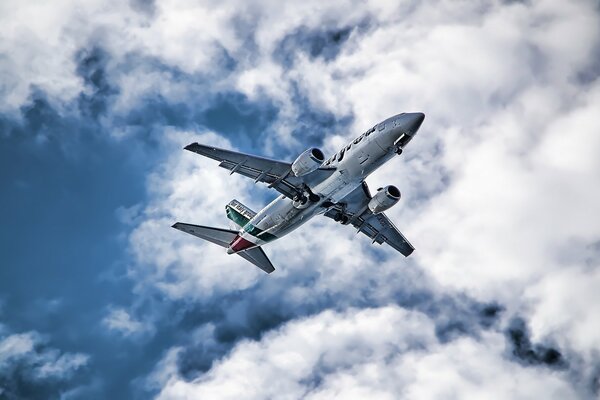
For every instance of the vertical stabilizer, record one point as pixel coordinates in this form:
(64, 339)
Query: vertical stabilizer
(239, 213)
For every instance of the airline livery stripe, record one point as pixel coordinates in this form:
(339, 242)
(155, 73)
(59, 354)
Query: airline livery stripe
(259, 233)
(239, 219)
(236, 217)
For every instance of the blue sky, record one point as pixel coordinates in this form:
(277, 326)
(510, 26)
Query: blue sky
(100, 298)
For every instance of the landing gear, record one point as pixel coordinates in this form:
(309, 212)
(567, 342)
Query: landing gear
(306, 195)
(342, 218)
(300, 199)
(305, 198)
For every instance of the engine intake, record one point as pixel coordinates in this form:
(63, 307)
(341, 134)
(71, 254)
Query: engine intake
(384, 199)
(308, 161)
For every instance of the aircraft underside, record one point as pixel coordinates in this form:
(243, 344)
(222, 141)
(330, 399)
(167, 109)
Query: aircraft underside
(313, 186)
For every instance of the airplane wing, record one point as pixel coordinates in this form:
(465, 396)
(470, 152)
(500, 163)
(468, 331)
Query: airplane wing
(376, 226)
(278, 174)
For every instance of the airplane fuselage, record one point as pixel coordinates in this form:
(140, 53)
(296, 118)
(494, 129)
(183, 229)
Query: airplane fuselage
(352, 165)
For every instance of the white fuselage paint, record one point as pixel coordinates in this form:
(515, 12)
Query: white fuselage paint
(360, 158)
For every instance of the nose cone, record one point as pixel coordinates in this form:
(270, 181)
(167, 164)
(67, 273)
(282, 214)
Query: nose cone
(413, 122)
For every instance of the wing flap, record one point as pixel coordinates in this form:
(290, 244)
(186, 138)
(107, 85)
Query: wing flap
(261, 169)
(377, 227)
(381, 230)
(277, 174)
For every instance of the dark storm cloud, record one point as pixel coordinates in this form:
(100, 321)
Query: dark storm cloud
(232, 114)
(312, 125)
(91, 67)
(31, 369)
(326, 44)
(524, 351)
(147, 7)
(253, 312)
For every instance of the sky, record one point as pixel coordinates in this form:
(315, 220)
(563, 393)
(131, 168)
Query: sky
(101, 298)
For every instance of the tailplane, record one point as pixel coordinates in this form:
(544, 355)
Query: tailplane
(257, 256)
(224, 237)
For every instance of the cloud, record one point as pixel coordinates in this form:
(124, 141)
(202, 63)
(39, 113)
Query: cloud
(379, 353)
(120, 321)
(496, 185)
(30, 368)
(498, 192)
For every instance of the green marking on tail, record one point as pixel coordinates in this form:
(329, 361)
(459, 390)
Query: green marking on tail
(242, 220)
(259, 233)
(235, 216)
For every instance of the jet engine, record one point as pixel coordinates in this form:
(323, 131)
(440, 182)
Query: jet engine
(308, 161)
(384, 199)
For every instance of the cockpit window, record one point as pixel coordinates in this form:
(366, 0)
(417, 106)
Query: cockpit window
(341, 155)
(367, 133)
(358, 139)
(382, 126)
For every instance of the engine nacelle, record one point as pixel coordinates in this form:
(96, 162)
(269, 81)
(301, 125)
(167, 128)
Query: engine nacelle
(384, 199)
(308, 161)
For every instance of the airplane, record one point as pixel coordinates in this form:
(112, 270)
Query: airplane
(311, 186)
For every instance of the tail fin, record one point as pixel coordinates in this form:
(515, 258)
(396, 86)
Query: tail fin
(223, 237)
(239, 213)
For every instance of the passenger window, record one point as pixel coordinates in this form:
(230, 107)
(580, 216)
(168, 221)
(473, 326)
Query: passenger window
(341, 155)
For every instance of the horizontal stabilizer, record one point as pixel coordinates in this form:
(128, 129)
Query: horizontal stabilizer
(222, 237)
(257, 257)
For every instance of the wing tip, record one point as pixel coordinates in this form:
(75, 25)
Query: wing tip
(190, 146)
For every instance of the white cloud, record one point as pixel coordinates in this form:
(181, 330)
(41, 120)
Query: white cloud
(384, 353)
(121, 321)
(497, 186)
(41, 362)
(186, 189)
